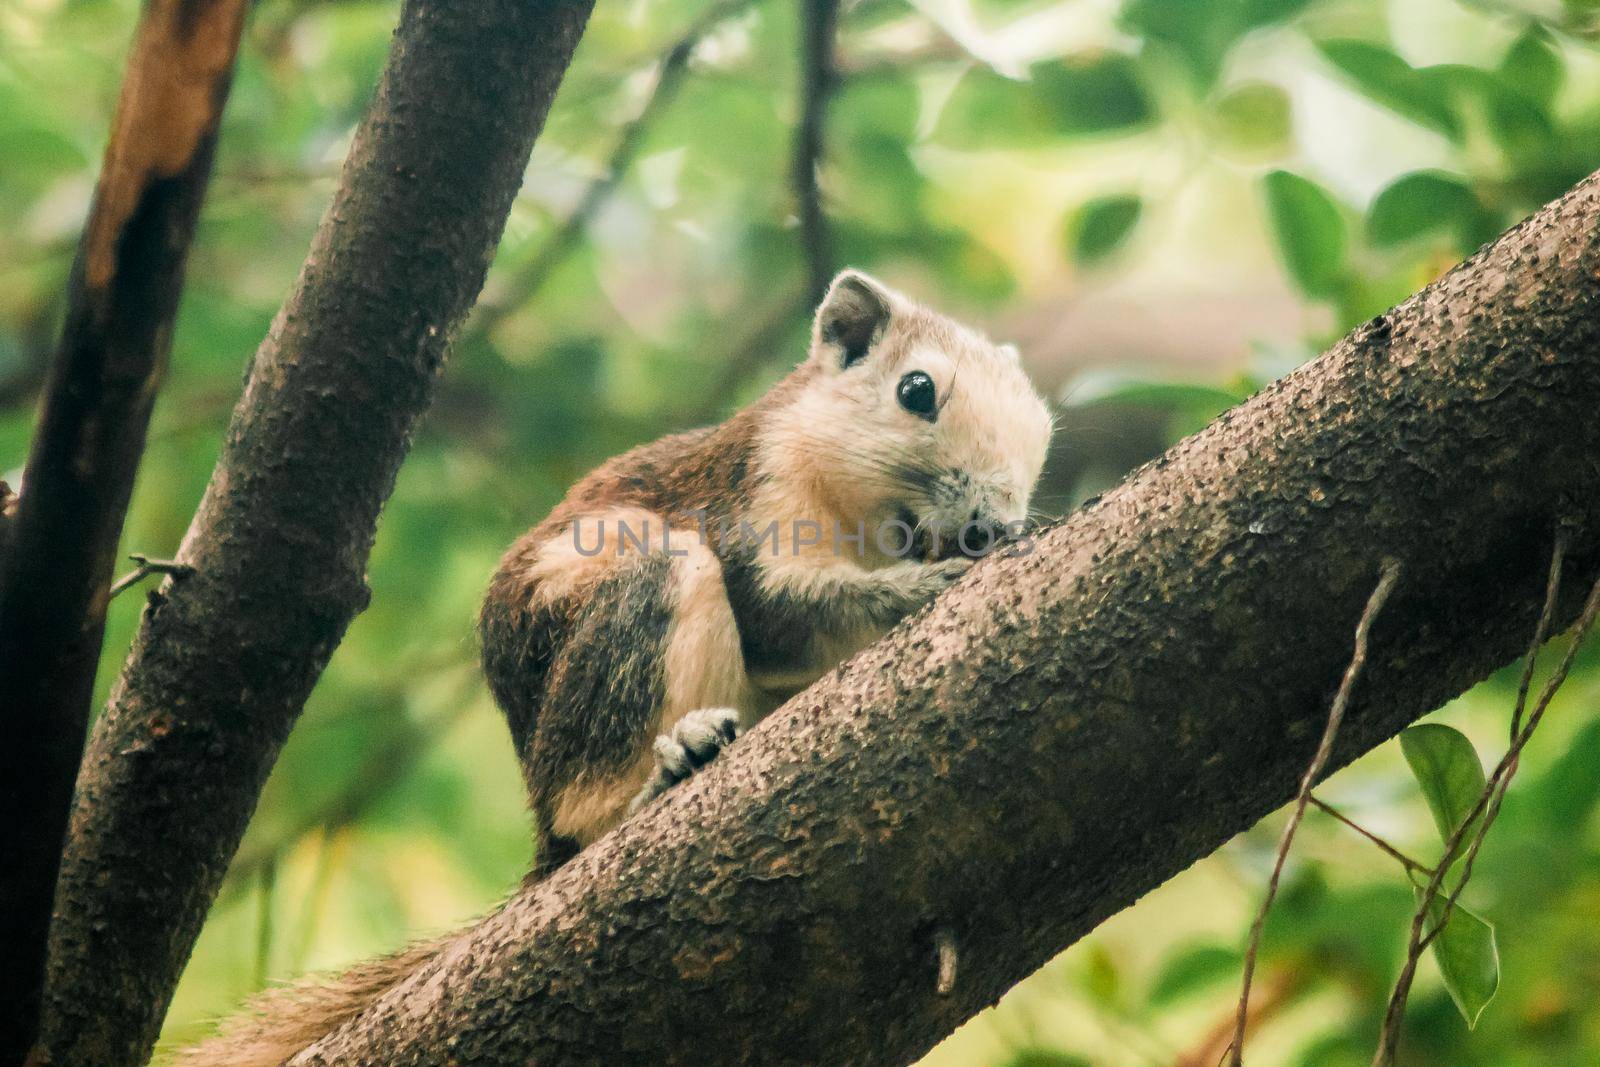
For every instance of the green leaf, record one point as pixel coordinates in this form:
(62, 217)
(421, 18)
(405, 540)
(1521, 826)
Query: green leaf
(1339, 1049)
(1070, 97)
(1192, 971)
(1519, 124)
(1420, 203)
(1102, 980)
(36, 155)
(1199, 32)
(1533, 67)
(1446, 767)
(957, 23)
(1094, 95)
(1040, 1056)
(1309, 231)
(1569, 792)
(1264, 12)
(1389, 80)
(1468, 958)
(1253, 118)
(1102, 226)
(1111, 387)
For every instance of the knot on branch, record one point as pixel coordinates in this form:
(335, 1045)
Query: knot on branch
(944, 943)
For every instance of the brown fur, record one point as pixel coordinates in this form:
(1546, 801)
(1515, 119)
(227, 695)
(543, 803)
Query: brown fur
(594, 644)
(280, 1023)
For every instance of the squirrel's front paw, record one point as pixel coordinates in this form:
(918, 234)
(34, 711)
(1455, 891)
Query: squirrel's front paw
(939, 576)
(693, 741)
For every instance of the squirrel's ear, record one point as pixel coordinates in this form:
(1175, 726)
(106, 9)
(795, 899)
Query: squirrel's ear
(851, 319)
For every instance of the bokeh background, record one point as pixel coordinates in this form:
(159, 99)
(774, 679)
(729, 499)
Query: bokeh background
(1166, 203)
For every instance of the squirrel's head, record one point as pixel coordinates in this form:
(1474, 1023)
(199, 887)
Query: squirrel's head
(904, 415)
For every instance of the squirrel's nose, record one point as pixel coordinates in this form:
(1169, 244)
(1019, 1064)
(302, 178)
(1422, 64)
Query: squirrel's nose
(979, 535)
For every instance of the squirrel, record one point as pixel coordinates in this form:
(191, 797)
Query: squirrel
(683, 590)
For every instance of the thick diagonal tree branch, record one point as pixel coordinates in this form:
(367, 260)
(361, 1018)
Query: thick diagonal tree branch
(122, 297)
(224, 659)
(1066, 730)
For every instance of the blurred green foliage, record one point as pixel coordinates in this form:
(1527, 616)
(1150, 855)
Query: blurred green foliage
(1015, 160)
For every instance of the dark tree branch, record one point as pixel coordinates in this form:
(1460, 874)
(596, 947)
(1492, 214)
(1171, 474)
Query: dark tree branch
(223, 663)
(819, 22)
(1067, 729)
(528, 280)
(122, 296)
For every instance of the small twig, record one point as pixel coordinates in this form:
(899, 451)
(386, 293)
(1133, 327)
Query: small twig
(748, 358)
(819, 20)
(1541, 631)
(328, 856)
(1488, 806)
(944, 942)
(1405, 861)
(528, 280)
(267, 881)
(1358, 660)
(1279, 991)
(388, 765)
(146, 567)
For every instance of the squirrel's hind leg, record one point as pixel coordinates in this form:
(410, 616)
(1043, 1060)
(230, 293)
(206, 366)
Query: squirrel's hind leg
(708, 692)
(653, 655)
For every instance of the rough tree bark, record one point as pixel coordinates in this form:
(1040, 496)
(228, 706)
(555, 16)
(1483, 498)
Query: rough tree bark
(224, 660)
(122, 299)
(1065, 730)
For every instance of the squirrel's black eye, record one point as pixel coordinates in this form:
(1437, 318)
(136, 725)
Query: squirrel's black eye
(917, 395)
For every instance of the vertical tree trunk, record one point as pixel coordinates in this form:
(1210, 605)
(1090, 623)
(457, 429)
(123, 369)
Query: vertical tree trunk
(54, 578)
(225, 659)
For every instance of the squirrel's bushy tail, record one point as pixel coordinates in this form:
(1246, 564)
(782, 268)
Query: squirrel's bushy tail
(276, 1025)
